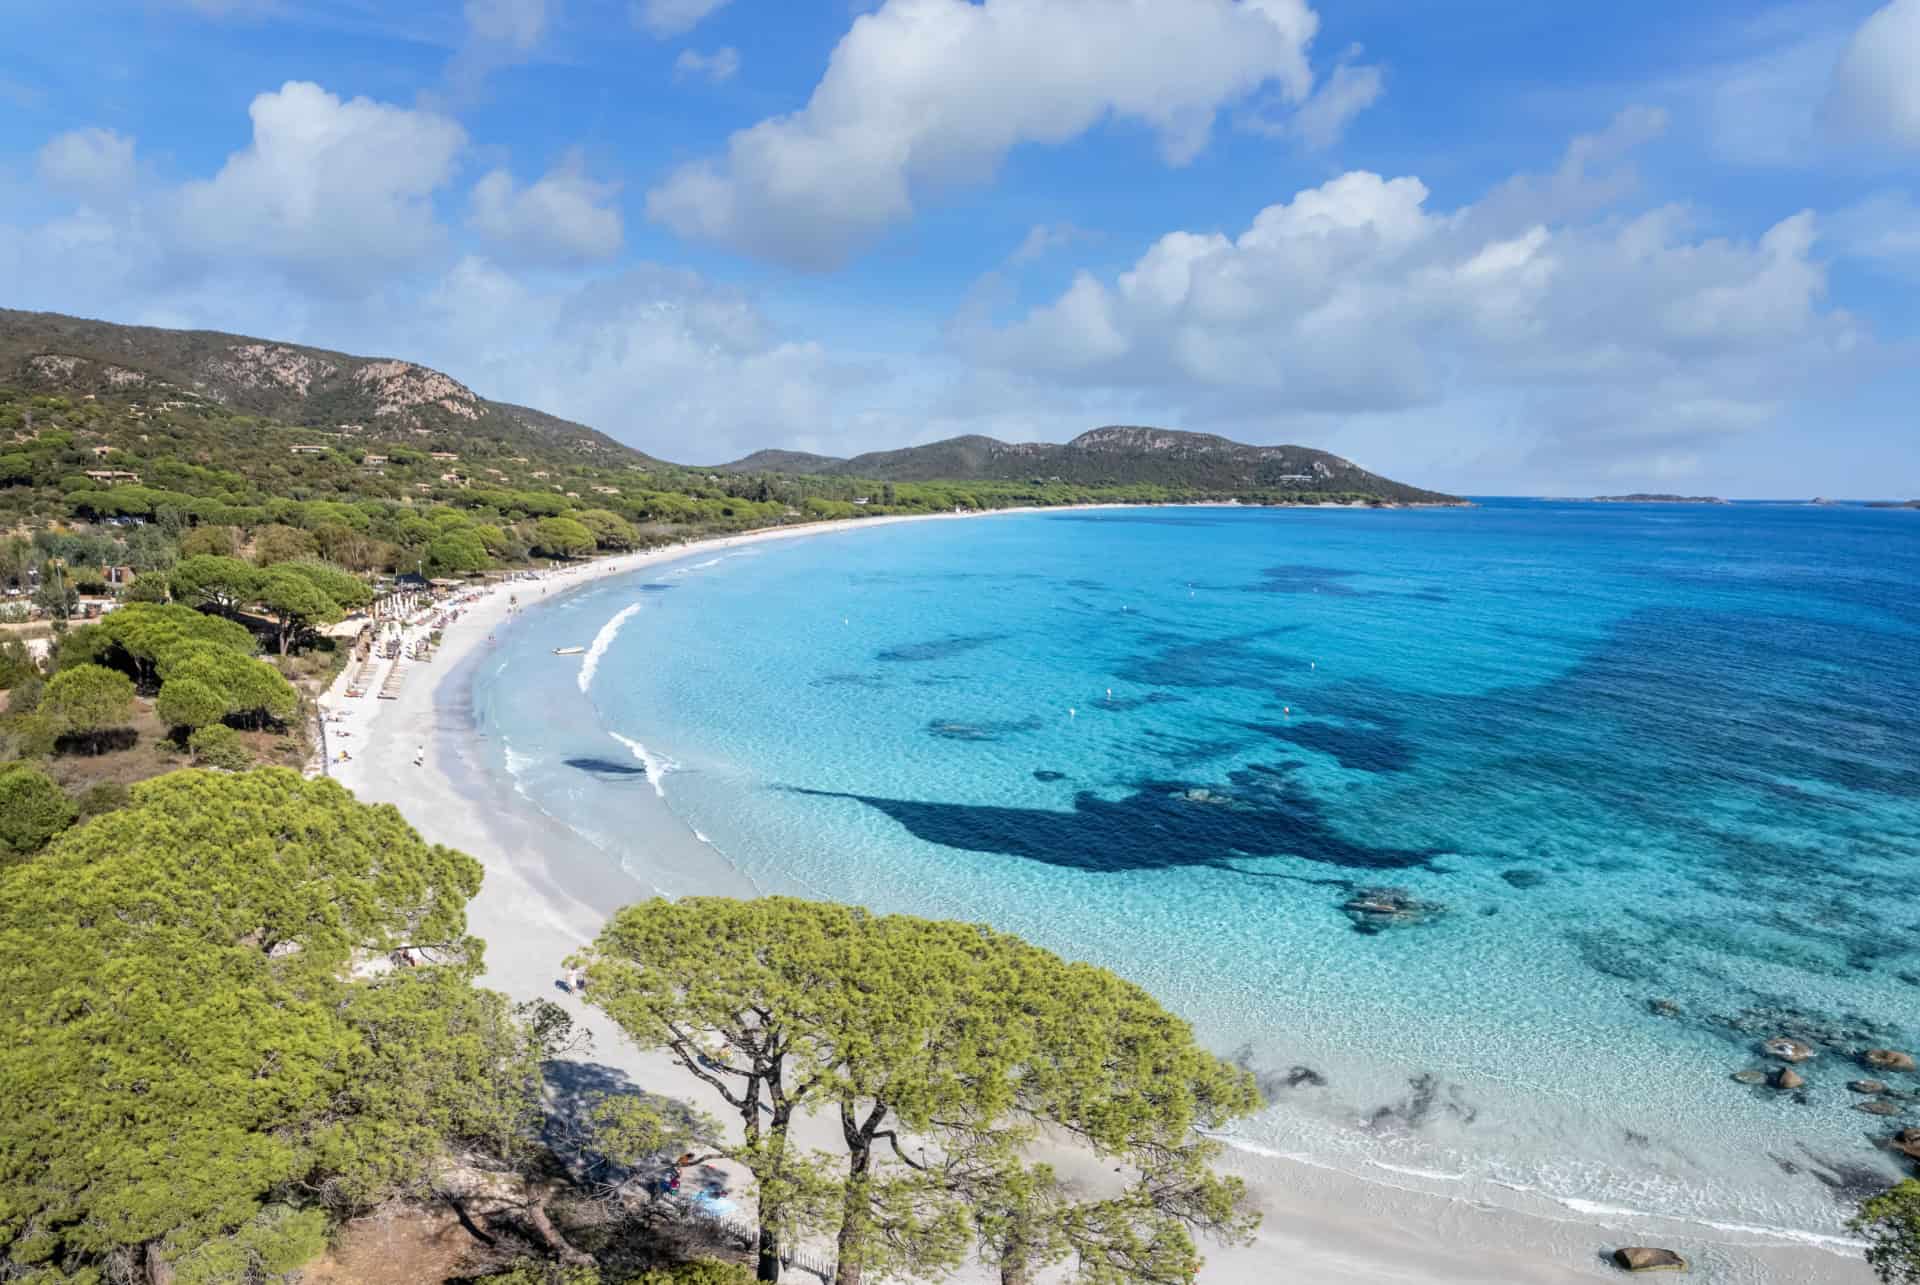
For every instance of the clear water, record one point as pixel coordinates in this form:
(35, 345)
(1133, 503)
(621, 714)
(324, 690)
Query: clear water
(1634, 753)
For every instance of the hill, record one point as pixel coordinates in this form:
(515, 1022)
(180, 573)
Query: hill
(202, 428)
(290, 383)
(1113, 456)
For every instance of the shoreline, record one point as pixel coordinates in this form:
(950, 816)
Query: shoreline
(534, 908)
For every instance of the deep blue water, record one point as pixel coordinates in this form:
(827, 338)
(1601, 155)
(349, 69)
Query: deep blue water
(1620, 753)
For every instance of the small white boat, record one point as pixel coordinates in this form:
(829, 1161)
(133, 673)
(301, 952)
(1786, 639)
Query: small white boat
(568, 651)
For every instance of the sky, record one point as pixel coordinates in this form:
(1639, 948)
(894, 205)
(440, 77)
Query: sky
(1486, 246)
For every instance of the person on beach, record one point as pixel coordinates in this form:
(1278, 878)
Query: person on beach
(419, 756)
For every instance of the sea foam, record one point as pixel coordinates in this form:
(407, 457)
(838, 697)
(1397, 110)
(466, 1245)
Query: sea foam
(590, 663)
(657, 766)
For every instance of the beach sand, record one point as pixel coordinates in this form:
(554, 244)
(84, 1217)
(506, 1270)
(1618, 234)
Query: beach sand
(537, 906)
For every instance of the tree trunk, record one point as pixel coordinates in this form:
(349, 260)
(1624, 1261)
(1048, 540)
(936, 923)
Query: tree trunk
(537, 1215)
(855, 1217)
(769, 1269)
(158, 1270)
(1016, 1265)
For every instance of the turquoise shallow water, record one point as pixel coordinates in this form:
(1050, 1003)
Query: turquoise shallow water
(1625, 753)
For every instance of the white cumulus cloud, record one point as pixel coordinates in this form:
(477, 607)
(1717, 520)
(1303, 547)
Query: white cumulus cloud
(1876, 86)
(91, 164)
(929, 93)
(1625, 335)
(516, 24)
(327, 185)
(664, 18)
(563, 219)
(722, 64)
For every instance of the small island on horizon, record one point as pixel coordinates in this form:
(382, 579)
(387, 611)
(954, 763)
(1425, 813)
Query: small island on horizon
(1641, 497)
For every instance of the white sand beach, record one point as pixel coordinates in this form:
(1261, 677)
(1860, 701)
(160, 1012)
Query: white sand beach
(1320, 1225)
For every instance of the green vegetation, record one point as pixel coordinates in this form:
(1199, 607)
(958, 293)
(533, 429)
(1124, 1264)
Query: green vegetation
(699, 1271)
(241, 1007)
(1890, 1224)
(89, 702)
(221, 1084)
(964, 1040)
(219, 747)
(32, 810)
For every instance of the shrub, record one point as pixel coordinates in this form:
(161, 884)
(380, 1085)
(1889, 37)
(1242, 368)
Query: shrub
(89, 701)
(16, 664)
(32, 810)
(700, 1271)
(107, 796)
(220, 746)
(148, 588)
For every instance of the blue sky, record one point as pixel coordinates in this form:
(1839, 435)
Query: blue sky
(1482, 245)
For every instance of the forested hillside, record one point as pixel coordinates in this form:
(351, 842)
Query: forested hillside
(1115, 456)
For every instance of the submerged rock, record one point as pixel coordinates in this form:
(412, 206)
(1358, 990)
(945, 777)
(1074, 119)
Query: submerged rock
(1750, 1077)
(1663, 1008)
(1046, 774)
(1869, 1087)
(1787, 1078)
(1521, 877)
(1639, 1258)
(1877, 1106)
(1374, 910)
(1788, 1050)
(1888, 1060)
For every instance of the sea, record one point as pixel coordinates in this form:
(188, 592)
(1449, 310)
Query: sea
(1628, 788)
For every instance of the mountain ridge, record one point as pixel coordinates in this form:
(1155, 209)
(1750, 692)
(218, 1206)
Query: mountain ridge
(1112, 455)
(296, 383)
(324, 389)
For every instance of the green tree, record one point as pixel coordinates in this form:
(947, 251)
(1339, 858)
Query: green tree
(32, 810)
(610, 530)
(189, 703)
(213, 581)
(147, 638)
(252, 690)
(88, 701)
(222, 1080)
(56, 595)
(1890, 1224)
(949, 1034)
(559, 537)
(148, 588)
(276, 543)
(16, 664)
(210, 541)
(298, 605)
(345, 588)
(457, 553)
(218, 745)
(81, 645)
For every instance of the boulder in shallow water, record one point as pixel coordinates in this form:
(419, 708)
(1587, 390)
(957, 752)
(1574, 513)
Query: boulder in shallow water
(1869, 1087)
(1907, 1143)
(1788, 1078)
(1639, 1258)
(1877, 1106)
(1788, 1050)
(1663, 1008)
(1888, 1060)
(1373, 910)
(1750, 1077)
